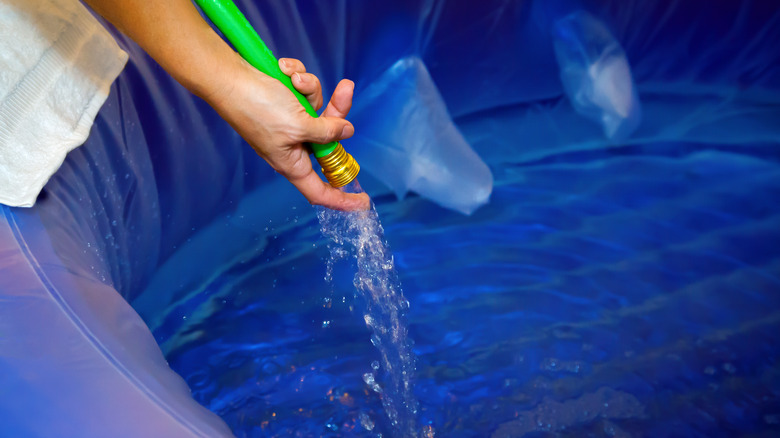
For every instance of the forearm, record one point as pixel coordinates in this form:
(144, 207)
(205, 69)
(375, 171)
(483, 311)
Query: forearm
(174, 34)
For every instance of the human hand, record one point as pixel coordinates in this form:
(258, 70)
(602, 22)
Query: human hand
(267, 115)
(259, 107)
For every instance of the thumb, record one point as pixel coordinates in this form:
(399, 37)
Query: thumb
(324, 130)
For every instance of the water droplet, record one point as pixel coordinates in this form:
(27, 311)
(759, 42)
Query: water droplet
(366, 422)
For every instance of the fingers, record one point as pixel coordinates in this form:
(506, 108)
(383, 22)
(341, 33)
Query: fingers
(332, 126)
(341, 101)
(309, 86)
(306, 83)
(291, 65)
(317, 192)
(323, 130)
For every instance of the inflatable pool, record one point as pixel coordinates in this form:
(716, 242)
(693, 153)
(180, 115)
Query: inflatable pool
(622, 280)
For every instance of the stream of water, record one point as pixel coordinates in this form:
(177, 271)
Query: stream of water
(359, 237)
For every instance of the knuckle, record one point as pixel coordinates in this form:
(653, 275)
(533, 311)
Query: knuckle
(296, 132)
(330, 132)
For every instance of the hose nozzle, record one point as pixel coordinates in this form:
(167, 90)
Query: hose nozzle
(339, 167)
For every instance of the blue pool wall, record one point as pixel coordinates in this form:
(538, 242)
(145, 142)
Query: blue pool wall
(160, 165)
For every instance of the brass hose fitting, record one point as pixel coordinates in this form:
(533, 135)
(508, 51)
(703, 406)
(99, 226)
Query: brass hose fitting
(339, 167)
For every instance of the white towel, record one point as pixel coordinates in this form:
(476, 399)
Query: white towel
(57, 63)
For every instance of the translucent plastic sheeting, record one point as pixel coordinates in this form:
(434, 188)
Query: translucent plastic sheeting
(704, 73)
(160, 166)
(414, 145)
(76, 359)
(596, 75)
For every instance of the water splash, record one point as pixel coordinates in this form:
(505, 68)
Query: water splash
(360, 235)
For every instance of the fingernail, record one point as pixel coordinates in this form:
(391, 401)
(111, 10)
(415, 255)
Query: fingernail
(298, 77)
(283, 62)
(347, 131)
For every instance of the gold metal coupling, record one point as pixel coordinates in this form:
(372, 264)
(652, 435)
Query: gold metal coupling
(339, 167)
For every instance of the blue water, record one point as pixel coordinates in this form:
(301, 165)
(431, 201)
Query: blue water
(630, 291)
